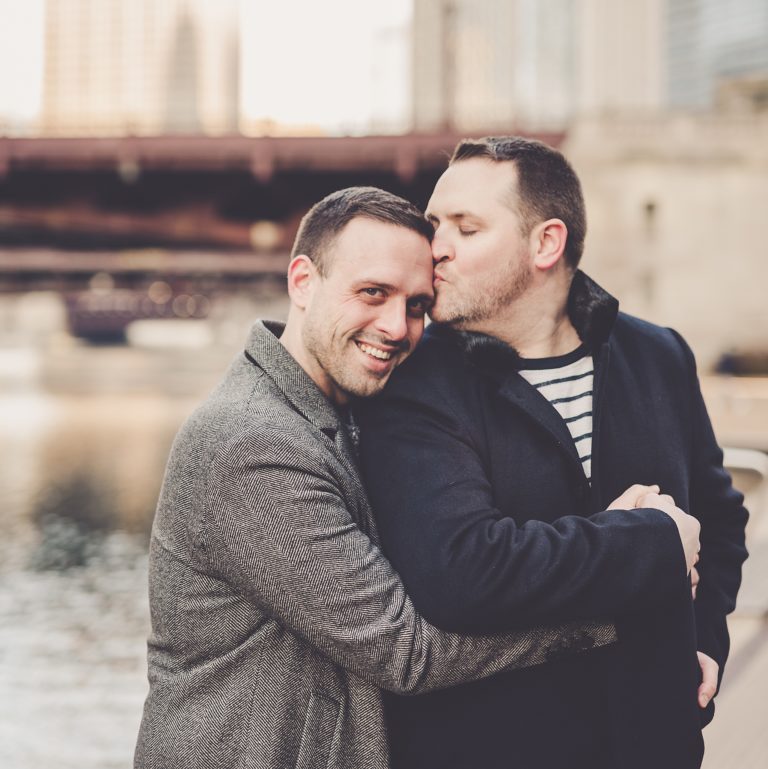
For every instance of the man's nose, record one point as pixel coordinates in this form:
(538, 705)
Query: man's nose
(442, 250)
(393, 321)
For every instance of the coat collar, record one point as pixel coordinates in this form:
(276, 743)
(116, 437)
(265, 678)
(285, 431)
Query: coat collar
(263, 348)
(592, 311)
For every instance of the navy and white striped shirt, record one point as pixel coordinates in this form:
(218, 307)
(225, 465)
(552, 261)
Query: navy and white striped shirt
(566, 381)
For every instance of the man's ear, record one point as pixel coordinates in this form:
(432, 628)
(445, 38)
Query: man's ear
(549, 240)
(302, 275)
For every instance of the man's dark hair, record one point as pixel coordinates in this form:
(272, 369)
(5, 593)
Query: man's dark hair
(323, 222)
(547, 185)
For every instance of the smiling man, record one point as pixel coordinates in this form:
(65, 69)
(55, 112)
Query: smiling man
(490, 458)
(275, 617)
(370, 312)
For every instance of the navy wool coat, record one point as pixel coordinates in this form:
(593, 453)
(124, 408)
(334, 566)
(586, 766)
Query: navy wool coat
(485, 512)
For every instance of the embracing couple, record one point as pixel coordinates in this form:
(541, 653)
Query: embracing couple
(516, 550)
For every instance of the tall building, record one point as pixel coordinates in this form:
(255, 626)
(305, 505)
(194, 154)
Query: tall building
(140, 67)
(546, 65)
(712, 41)
(620, 52)
(672, 200)
(533, 64)
(390, 79)
(463, 64)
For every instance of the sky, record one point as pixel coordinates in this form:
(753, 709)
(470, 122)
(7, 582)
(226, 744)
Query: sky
(301, 62)
(322, 70)
(21, 58)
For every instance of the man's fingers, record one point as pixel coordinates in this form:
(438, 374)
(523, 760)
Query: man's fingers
(630, 499)
(648, 496)
(688, 527)
(694, 579)
(709, 671)
(652, 499)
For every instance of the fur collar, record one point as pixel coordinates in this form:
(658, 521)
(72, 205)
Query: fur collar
(592, 311)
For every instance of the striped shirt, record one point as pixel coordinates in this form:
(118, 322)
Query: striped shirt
(566, 381)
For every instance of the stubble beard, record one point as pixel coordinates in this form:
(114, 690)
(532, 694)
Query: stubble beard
(337, 362)
(475, 303)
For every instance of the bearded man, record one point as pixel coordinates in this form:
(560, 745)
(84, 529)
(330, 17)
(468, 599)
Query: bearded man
(490, 459)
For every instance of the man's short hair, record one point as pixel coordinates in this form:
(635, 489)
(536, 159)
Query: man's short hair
(323, 222)
(547, 185)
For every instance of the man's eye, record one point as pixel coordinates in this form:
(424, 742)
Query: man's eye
(467, 232)
(371, 291)
(418, 308)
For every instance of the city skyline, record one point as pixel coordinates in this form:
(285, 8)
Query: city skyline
(351, 67)
(290, 73)
(170, 67)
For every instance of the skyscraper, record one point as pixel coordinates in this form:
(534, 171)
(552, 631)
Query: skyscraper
(533, 64)
(140, 67)
(711, 41)
(463, 64)
(620, 52)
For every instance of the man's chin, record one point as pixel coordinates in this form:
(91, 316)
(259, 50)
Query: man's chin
(366, 387)
(443, 314)
(437, 313)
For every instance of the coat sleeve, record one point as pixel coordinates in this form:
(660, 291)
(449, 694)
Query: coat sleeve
(280, 530)
(471, 569)
(719, 508)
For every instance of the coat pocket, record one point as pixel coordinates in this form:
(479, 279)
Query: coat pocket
(317, 735)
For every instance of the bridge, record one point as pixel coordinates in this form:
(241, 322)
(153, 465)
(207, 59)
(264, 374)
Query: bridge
(89, 197)
(191, 212)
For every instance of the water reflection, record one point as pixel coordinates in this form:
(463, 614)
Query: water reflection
(84, 434)
(69, 517)
(81, 486)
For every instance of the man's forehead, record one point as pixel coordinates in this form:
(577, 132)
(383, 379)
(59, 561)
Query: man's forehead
(380, 252)
(361, 229)
(468, 186)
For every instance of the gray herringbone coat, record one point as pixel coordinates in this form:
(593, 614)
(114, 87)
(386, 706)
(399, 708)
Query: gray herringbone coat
(275, 618)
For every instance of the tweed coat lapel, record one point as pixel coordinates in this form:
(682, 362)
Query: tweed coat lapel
(263, 348)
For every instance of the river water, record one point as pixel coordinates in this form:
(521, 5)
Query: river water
(84, 434)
